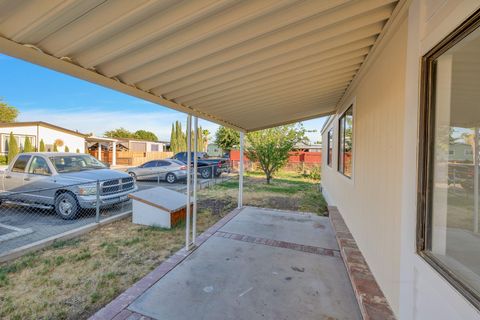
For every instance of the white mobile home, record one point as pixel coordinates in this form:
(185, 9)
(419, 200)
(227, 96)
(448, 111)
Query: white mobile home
(38, 131)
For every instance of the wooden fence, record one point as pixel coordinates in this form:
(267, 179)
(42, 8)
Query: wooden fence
(131, 158)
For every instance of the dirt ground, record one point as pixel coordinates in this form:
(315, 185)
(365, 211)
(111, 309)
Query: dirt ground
(73, 279)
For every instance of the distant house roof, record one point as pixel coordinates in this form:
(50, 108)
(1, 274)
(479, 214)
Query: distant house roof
(41, 124)
(140, 140)
(307, 146)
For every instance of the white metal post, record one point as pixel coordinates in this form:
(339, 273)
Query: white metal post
(195, 166)
(114, 153)
(475, 181)
(240, 174)
(99, 155)
(189, 181)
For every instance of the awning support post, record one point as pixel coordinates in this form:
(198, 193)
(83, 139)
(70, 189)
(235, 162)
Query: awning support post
(114, 153)
(240, 169)
(195, 179)
(475, 181)
(189, 181)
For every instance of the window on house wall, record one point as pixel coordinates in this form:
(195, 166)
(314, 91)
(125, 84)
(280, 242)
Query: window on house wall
(329, 147)
(449, 208)
(345, 142)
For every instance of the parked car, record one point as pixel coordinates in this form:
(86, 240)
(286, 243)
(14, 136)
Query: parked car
(169, 170)
(66, 182)
(206, 166)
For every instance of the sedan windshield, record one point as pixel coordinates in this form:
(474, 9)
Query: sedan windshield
(75, 163)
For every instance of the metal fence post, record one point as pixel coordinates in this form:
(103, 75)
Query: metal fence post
(97, 206)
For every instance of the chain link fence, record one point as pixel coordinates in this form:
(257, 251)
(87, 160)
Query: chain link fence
(36, 207)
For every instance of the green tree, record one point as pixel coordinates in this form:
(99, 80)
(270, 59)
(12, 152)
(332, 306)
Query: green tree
(8, 113)
(66, 149)
(12, 148)
(119, 133)
(227, 138)
(28, 145)
(145, 135)
(78, 150)
(55, 147)
(205, 136)
(270, 147)
(173, 140)
(181, 137)
(42, 146)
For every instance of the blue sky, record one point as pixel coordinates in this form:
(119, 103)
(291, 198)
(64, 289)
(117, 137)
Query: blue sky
(46, 95)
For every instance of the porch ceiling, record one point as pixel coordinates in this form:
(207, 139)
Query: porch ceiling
(245, 64)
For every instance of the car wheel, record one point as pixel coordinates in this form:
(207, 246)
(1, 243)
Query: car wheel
(206, 173)
(171, 178)
(133, 175)
(66, 206)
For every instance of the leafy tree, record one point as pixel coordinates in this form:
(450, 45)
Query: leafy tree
(28, 145)
(42, 146)
(8, 113)
(145, 135)
(66, 149)
(55, 147)
(119, 133)
(270, 147)
(12, 148)
(227, 138)
(78, 150)
(205, 136)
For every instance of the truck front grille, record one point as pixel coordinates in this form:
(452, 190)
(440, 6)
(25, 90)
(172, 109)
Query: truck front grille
(117, 185)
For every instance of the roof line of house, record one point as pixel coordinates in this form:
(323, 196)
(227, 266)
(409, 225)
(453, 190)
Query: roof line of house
(42, 124)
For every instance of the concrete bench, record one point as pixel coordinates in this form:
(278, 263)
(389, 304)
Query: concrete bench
(159, 207)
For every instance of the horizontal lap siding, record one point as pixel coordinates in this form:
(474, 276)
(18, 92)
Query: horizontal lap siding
(370, 203)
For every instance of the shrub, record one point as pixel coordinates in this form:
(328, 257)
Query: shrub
(42, 146)
(66, 149)
(28, 145)
(12, 148)
(3, 160)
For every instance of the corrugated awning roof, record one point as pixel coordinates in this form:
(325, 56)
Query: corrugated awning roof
(245, 64)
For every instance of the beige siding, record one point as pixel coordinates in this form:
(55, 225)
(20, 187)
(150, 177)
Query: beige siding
(371, 201)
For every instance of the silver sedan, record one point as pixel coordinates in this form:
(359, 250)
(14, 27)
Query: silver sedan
(170, 170)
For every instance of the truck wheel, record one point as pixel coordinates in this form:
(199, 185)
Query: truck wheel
(66, 206)
(206, 173)
(171, 178)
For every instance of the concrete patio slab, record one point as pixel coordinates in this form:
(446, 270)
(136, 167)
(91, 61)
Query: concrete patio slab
(295, 227)
(249, 265)
(230, 279)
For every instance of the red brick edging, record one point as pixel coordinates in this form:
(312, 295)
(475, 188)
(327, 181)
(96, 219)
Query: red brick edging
(371, 300)
(279, 244)
(117, 308)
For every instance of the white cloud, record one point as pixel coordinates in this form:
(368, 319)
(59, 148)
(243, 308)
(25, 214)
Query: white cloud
(97, 122)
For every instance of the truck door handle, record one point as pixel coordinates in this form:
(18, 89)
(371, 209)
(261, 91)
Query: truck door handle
(8, 177)
(27, 179)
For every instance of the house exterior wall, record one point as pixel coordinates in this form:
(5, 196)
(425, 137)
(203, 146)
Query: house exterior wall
(379, 203)
(370, 202)
(48, 135)
(73, 142)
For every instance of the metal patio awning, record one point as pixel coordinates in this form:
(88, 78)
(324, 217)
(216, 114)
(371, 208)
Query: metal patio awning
(244, 64)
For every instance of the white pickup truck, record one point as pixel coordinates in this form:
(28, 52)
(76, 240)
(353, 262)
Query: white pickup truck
(66, 182)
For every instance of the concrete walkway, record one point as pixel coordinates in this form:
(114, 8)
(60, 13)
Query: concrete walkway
(255, 264)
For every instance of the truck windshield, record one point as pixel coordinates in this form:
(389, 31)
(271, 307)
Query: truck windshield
(75, 163)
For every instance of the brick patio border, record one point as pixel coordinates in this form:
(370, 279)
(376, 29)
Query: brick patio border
(117, 308)
(371, 300)
(279, 244)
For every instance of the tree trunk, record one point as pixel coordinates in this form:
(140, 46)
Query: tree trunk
(269, 178)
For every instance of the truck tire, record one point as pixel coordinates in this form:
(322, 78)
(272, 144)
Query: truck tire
(206, 173)
(66, 205)
(171, 178)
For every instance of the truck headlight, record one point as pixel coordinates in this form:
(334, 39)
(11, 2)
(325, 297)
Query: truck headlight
(87, 190)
